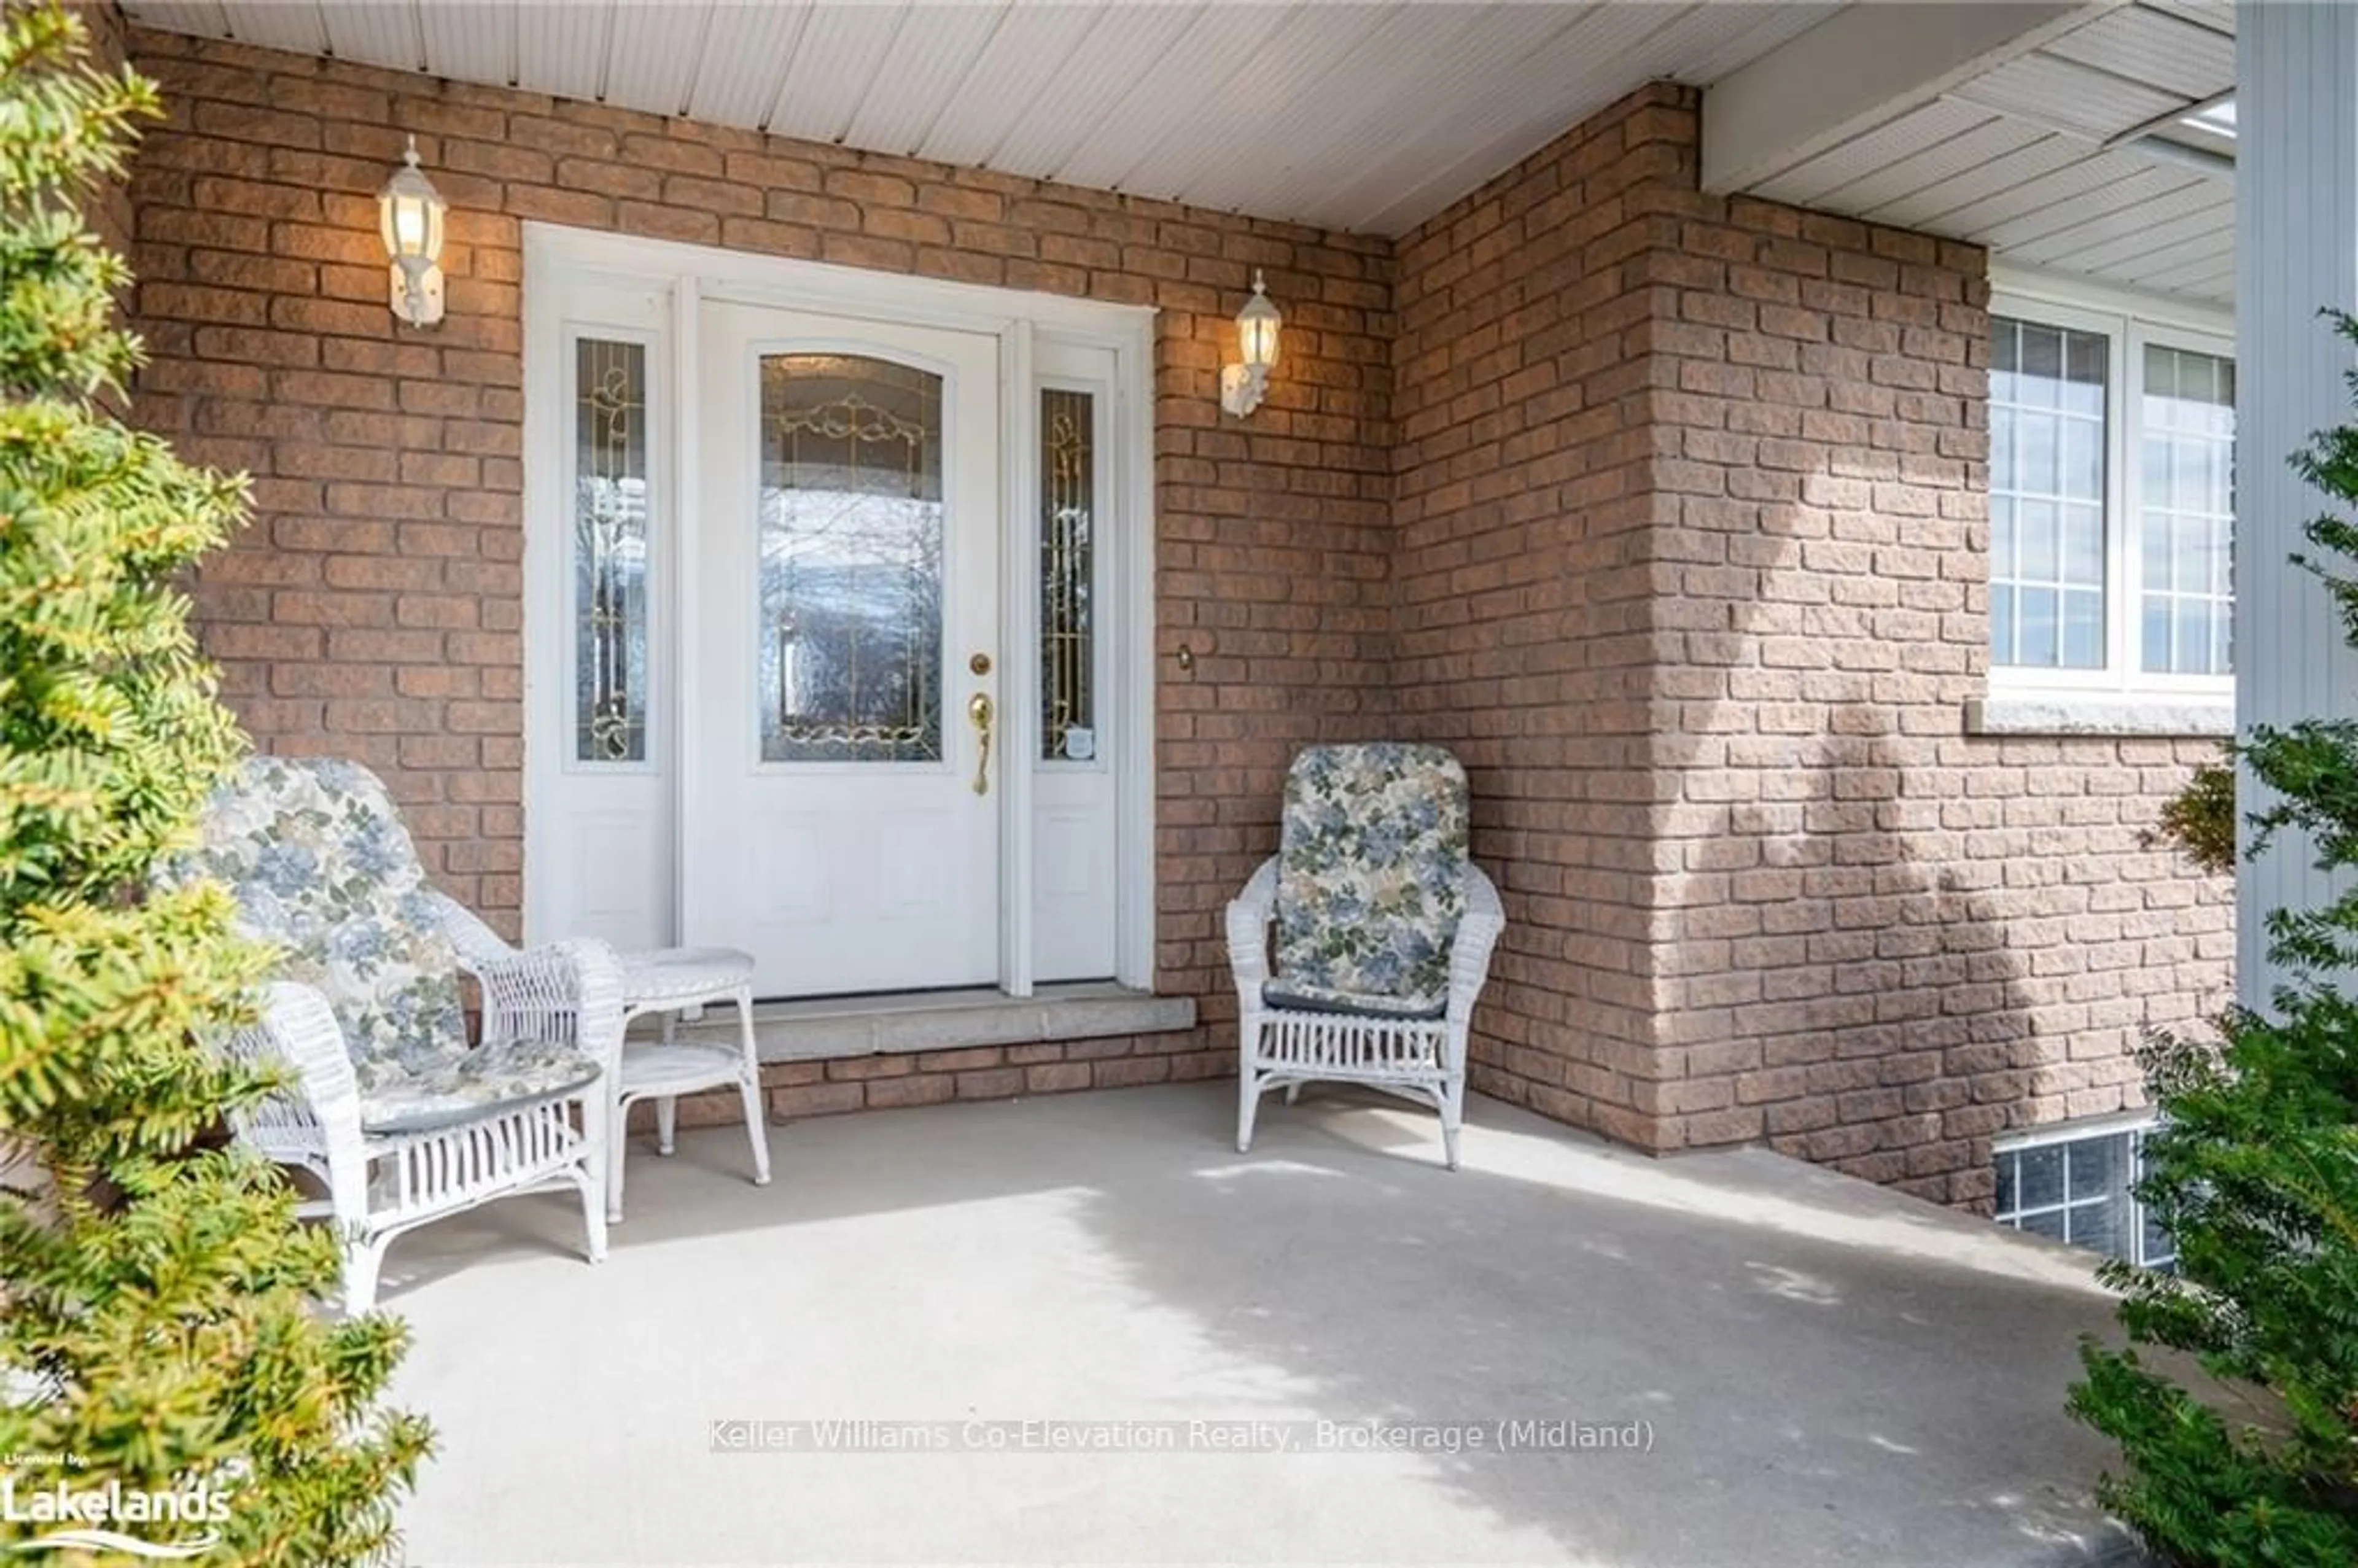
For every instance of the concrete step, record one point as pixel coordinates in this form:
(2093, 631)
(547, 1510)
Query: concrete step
(825, 1028)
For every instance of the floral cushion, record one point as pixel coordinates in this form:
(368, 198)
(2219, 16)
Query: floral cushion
(320, 867)
(1370, 880)
(1302, 996)
(459, 1088)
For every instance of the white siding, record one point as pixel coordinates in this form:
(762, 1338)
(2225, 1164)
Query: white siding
(2297, 95)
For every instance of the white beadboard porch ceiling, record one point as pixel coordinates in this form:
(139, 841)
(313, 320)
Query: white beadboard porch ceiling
(1361, 116)
(2017, 159)
(1351, 115)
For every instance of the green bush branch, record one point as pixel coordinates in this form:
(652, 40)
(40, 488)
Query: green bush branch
(2255, 1173)
(160, 1325)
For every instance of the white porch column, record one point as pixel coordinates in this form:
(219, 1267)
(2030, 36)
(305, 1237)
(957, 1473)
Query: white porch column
(2296, 250)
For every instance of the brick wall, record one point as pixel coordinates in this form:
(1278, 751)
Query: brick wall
(373, 609)
(1526, 603)
(892, 1080)
(1886, 940)
(1835, 920)
(1665, 511)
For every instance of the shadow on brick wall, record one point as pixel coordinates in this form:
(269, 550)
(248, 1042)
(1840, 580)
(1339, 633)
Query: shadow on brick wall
(1871, 1013)
(1885, 940)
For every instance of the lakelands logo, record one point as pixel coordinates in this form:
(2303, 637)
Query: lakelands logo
(162, 1524)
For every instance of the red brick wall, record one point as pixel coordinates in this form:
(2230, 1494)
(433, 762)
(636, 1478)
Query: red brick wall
(892, 1080)
(1733, 454)
(1666, 511)
(1526, 599)
(373, 608)
(1888, 940)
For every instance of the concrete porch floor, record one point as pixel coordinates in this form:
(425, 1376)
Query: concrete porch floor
(1831, 1374)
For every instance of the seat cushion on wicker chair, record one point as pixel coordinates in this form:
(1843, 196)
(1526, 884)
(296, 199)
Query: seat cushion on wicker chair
(323, 868)
(1297, 996)
(464, 1086)
(1371, 862)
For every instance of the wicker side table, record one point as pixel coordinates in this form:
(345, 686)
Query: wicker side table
(669, 981)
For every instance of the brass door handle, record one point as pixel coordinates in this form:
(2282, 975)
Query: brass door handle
(978, 708)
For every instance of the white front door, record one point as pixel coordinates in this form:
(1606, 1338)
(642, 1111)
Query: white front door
(785, 522)
(839, 769)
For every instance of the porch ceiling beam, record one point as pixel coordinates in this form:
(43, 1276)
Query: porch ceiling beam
(1863, 66)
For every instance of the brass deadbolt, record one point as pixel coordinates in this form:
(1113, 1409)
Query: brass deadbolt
(980, 663)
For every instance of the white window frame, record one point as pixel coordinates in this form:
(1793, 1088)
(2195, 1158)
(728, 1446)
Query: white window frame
(2139, 1125)
(2128, 322)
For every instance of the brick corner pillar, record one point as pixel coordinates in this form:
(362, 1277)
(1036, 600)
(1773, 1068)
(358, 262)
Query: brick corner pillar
(2296, 251)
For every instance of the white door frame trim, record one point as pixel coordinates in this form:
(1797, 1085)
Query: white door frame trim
(1018, 719)
(687, 399)
(691, 275)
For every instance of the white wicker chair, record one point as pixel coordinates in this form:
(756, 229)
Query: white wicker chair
(1385, 930)
(403, 1136)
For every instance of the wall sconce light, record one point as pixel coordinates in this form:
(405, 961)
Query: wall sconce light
(410, 217)
(1242, 386)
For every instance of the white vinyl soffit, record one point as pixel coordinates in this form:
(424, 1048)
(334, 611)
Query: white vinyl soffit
(2085, 138)
(1363, 117)
(2092, 140)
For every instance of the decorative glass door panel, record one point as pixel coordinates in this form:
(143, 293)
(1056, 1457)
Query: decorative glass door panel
(610, 551)
(601, 550)
(1075, 834)
(1068, 460)
(840, 795)
(850, 631)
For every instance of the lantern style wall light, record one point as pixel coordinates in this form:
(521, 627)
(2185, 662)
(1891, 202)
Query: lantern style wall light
(1242, 386)
(410, 214)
